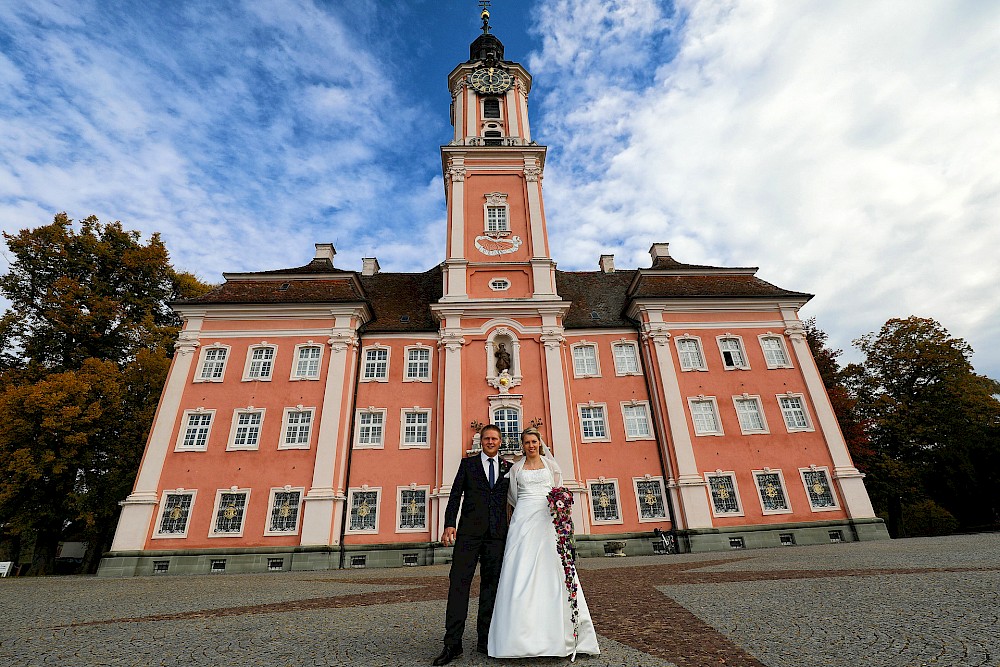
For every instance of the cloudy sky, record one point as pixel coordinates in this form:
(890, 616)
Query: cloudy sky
(849, 149)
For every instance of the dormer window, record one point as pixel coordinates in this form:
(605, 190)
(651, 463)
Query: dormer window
(491, 107)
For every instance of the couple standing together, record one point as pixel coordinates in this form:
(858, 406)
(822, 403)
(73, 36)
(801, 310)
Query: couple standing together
(524, 607)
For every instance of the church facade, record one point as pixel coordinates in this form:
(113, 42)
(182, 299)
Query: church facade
(314, 417)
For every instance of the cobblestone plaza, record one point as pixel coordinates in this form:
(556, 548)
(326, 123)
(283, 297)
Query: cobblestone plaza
(929, 601)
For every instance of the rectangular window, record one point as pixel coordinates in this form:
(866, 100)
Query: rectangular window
(592, 422)
(626, 359)
(705, 416)
(584, 360)
(733, 355)
(298, 427)
(771, 488)
(197, 426)
(307, 362)
(376, 364)
(413, 509)
(496, 219)
(416, 428)
(371, 428)
(418, 363)
(261, 363)
(725, 497)
(794, 413)
(649, 493)
(774, 352)
(819, 490)
(509, 422)
(750, 415)
(284, 518)
(364, 511)
(229, 513)
(604, 501)
(690, 355)
(213, 363)
(175, 514)
(636, 421)
(246, 429)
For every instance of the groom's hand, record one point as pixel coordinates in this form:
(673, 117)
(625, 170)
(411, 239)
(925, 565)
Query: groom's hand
(448, 538)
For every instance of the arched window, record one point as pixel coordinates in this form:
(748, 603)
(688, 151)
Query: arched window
(509, 421)
(491, 107)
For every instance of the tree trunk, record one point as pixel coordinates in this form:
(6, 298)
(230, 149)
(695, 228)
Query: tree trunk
(43, 560)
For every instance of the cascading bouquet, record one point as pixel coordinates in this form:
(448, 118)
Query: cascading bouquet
(561, 506)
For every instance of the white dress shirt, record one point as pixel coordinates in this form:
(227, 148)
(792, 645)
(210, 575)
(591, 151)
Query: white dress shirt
(486, 466)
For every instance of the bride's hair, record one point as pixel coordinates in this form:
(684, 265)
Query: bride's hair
(543, 449)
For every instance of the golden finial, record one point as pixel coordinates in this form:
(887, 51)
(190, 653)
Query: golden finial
(485, 4)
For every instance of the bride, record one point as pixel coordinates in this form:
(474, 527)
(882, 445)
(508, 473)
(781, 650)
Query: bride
(532, 616)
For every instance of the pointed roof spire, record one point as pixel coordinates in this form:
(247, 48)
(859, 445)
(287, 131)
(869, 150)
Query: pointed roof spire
(486, 47)
(485, 4)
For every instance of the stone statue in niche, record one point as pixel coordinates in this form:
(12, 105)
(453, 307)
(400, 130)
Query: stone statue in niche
(502, 357)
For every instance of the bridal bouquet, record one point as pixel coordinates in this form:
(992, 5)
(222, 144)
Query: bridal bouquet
(561, 505)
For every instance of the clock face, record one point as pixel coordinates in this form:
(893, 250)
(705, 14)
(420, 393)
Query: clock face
(491, 80)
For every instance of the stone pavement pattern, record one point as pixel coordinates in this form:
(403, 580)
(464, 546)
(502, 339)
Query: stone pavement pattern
(902, 603)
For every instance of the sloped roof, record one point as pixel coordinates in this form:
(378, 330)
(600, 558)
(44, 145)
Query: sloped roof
(394, 296)
(598, 298)
(722, 285)
(340, 288)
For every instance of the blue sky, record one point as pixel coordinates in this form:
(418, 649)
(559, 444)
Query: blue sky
(848, 149)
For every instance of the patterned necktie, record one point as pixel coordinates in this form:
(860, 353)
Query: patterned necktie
(492, 473)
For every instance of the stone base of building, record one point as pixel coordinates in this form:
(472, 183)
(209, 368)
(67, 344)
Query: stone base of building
(764, 536)
(258, 560)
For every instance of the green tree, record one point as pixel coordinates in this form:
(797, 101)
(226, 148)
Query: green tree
(932, 421)
(86, 345)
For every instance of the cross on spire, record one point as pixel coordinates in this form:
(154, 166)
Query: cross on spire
(485, 4)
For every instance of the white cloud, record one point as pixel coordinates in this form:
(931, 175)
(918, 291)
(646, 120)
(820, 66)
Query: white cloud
(848, 149)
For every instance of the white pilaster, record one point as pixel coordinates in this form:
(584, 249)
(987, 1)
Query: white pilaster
(848, 478)
(456, 203)
(510, 102)
(690, 484)
(139, 507)
(472, 111)
(533, 180)
(320, 503)
(452, 440)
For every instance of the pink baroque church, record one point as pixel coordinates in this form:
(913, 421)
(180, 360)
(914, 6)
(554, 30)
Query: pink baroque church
(314, 417)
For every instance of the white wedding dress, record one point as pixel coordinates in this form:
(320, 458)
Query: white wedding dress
(532, 614)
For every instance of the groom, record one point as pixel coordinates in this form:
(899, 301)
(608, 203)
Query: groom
(481, 489)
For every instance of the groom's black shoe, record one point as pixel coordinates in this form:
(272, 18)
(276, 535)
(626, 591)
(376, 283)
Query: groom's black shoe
(447, 655)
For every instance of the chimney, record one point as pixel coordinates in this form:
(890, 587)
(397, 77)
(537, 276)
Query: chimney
(659, 251)
(325, 251)
(369, 266)
(607, 263)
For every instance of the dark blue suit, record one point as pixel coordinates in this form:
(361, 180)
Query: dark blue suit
(482, 533)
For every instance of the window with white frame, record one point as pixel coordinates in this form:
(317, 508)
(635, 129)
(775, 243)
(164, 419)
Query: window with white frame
(733, 354)
(775, 354)
(794, 413)
(604, 501)
(412, 509)
(585, 360)
(376, 366)
(175, 513)
(818, 488)
(245, 433)
(195, 429)
(370, 429)
(307, 362)
(649, 496)
(230, 511)
(771, 490)
(418, 364)
(705, 415)
(260, 363)
(626, 357)
(415, 431)
(750, 414)
(364, 510)
(296, 428)
(725, 494)
(593, 422)
(283, 518)
(689, 353)
(499, 284)
(213, 363)
(636, 417)
(496, 219)
(508, 420)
